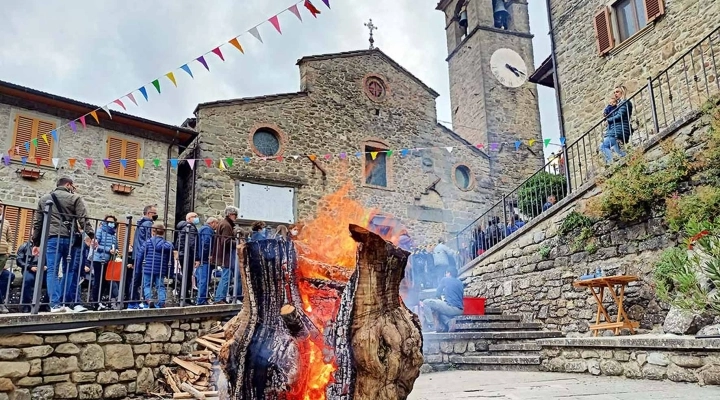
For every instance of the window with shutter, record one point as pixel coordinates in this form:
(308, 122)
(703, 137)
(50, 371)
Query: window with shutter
(20, 222)
(122, 232)
(654, 9)
(122, 149)
(28, 129)
(11, 218)
(603, 31)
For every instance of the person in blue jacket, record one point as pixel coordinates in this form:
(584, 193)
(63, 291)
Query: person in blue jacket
(618, 114)
(142, 234)
(107, 247)
(204, 249)
(155, 260)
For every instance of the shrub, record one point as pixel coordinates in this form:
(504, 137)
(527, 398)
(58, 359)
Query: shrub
(635, 189)
(544, 252)
(534, 192)
(676, 282)
(573, 221)
(700, 205)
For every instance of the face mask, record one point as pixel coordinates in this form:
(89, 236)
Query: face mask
(294, 232)
(196, 221)
(111, 224)
(154, 217)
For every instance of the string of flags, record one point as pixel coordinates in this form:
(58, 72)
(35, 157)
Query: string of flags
(228, 162)
(187, 68)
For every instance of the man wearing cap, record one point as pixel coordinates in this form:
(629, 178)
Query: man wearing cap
(6, 243)
(68, 220)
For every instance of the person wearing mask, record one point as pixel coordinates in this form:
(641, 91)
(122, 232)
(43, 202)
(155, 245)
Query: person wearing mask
(186, 244)
(441, 260)
(156, 259)
(107, 245)
(206, 235)
(281, 232)
(225, 253)
(6, 249)
(294, 232)
(258, 231)
(68, 220)
(439, 311)
(143, 232)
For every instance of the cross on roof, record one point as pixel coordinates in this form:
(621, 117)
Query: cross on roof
(371, 27)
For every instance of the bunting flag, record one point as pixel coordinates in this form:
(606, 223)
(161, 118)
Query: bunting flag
(221, 165)
(229, 161)
(38, 160)
(107, 111)
(494, 146)
(55, 162)
(328, 156)
(327, 3)
(23, 160)
(276, 23)
(132, 98)
(143, 91)
(236, 43)
(294, 9)
(449, 149)
(187, 69)
(141, 163)
(311, 7)
(389, 153)
(293, 157)
(358, 154)
(191, 163)
(517, 145)
(174, 163)
(73, 126)
(6, 159)
(312, 157)
(82, 122)
(120, 103)
(27, 147)
(404, 152)
(156, 162)
(34, 142)
(156, 83)
(54, 135)
(562, 141)
(547, 142)
(218, 53)
(343, 155)
(208, 162)
(106, 162)
(480, 145)
(247, 159)
(88, 162)
(279, 158)
(256, 34)
(44, 138)
(71, 162)
(171, 76)
(373, 154)
(94, 115)
(123, 162)
(204, 63)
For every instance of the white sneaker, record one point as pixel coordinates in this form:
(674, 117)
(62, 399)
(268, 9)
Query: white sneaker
(102, 306)
(78, 309)
(58, 309)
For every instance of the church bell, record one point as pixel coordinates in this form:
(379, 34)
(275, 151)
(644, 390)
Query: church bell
(499, 7)
(463, 19)
(501, 14)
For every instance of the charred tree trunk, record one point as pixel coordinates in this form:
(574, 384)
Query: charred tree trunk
(377, 339)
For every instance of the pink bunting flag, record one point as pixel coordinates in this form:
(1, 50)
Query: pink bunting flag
(191, 163)
(327, 156)
(120, 103)
(82, 122)
(294, 9)
(88, 162)
(218, 53)
(276, 23)
(132, 98)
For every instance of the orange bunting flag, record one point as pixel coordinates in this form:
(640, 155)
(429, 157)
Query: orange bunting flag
(218, 53)
(236, 43)
(276, 23)
(71, 161)
(141, 162)
(312, 157)
(373, 154)
(94, 115)
(171, 76)
(44, 136)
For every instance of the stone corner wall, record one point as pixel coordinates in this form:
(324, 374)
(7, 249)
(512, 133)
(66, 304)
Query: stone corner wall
(99, 363)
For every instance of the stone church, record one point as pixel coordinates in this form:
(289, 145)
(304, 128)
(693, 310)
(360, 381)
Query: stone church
(362, 104)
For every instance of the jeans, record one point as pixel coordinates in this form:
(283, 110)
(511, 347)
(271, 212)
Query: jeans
(6, 277)
(57, 251)
(202, 274)
(222, 288)
(148, 281)
(29, 289)
(71, 278)
(610, 144)
(135, 276)
(444, 311)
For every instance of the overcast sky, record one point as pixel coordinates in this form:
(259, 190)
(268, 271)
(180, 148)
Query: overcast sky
(98, 51)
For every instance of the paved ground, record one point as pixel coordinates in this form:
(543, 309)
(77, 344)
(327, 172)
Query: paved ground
(502, 385)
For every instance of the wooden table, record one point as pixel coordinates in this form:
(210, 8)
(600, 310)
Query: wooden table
(610, 283)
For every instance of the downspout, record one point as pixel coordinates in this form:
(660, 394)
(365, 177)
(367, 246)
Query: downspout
(558, 94)
(167, 179)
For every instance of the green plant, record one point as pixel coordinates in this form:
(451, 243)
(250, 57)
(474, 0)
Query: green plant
(573, 221)
(535, 191)
(676, 281)
(591, 247)
(544, 252)
(700, 205)
(634, 190)
(709, 158)
(583, 240)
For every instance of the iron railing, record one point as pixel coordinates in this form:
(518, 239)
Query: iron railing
(665, 99)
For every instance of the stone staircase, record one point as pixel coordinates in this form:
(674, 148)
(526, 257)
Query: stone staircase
(494, 341)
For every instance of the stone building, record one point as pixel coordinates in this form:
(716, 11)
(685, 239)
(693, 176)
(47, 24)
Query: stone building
(28, 115)
(353, 102)
(490, 57)
(600, 44)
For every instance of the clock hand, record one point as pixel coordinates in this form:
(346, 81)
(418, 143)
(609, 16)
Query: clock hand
(512, 69)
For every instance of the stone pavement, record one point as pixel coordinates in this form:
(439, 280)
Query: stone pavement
(505, 385)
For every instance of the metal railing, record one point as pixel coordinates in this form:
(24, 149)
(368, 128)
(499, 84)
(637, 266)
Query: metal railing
(105, 270)
(666, 99)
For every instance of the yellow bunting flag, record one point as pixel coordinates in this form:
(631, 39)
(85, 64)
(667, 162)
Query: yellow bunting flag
(171, 76)
(44, 136)
(237, 44)
(373, 154)
(94, 115)
(141, 162)
(532, 141)
(221, 165)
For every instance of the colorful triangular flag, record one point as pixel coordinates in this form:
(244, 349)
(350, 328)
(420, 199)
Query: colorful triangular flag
(120, 103)
(218, 53)
(311, 7)
(107, 111)
(174, 163)
(358, 154)
(191, 163)
(27, 147)
(132, 98)
(389, 153)
(34, 142)
(276, 23)
(23, 160)
(94, 115)
(106, 162)
(531, 142)
(256, 34)
(208, 162)
(156, 83)
(295, 157)
(328, 156)
(373, 154)
(73, 126)
(562, 141)
(546, 142)
(44, 138)
(229, 161)
(235, 42)
(141, 162)
(246, 159)
(480, 145)
(449, 149)
(186, 68)
(88, 162)
(404, 152)
(312, 157)
(55, 162)
(294, 9)
(156, 162)
(82, 122)
(494, 146)
(221, 165)
(38, 160)
(327, 3)
(123, 162)
(54, 135)
(143, 91)
(279, 158)
(6, 159)
(517, 145)
(71, 161)
(171, 76)
(202, 61)
(343, 155)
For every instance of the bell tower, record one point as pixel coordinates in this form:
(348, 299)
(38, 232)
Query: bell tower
(490, 58)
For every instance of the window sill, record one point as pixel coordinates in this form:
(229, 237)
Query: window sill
(120, 181)
(631, 40)
(33, 165)
(385, 188)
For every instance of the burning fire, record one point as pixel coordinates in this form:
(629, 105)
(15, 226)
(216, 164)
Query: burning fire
(326, 252)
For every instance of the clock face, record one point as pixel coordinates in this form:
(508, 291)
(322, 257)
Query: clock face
(508, 67)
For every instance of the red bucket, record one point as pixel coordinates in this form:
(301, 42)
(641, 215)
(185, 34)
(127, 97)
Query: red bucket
(473, 306)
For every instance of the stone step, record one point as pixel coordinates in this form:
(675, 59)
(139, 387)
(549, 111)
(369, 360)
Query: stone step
(494, 360)
(512, 347)
(497, 326)
(491, 335)
(487, 318)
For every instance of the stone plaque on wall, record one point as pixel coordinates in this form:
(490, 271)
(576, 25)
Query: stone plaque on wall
(259, 202)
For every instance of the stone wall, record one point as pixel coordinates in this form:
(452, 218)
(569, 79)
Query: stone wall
(100, 363)
(334, 114)
(91, 183)
(685, 23)
(532, 271)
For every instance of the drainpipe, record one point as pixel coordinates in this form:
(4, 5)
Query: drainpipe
(167, 179)
(558, 94)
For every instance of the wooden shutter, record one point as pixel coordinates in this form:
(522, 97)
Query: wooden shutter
(23, 134)
(11, 218)
(44, 150)
(603, 31)
(654, 9)
(25, 227)
(132, 153)
(114, 154)
(122, 232)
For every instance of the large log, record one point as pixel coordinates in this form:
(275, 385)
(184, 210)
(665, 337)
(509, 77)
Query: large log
(377, 340)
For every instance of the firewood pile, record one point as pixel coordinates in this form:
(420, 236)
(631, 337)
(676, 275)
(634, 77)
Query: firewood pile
(196, 374)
